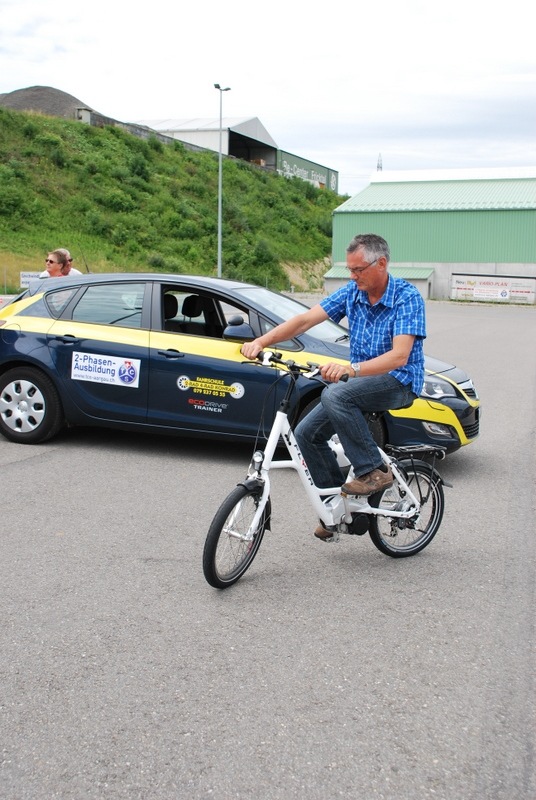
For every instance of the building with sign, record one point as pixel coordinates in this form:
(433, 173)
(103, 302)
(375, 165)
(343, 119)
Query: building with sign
(291, 166)
(468, 228)
(245, 138)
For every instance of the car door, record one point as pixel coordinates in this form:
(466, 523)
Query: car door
(199, 382)
(101, 352)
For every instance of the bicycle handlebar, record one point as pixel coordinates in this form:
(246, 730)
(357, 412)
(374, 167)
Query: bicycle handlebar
(267, 357)
(309, 370)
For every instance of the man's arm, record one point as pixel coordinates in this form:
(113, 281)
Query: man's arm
(392, 359)
(287, 330)
(380, 365)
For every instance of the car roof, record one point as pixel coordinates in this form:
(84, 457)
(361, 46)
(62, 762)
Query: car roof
(201, 281)
(227, 288)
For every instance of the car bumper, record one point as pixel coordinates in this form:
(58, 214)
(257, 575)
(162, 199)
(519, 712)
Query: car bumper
(452, 426)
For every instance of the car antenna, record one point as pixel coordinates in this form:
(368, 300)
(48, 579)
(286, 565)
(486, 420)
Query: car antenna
(84, 259)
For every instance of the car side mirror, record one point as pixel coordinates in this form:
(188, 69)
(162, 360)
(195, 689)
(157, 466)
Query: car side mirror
(238, 330)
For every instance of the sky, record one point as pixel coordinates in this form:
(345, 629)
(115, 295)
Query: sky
(421, 84)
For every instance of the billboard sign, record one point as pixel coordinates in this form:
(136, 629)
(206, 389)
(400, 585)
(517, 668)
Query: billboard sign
(493, 288)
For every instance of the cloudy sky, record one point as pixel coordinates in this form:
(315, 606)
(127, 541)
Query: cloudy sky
(426, 84)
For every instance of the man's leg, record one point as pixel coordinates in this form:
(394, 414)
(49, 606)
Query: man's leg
(312, 435)
(344, 404)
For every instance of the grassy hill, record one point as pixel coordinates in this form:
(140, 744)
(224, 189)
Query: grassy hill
(120, 203)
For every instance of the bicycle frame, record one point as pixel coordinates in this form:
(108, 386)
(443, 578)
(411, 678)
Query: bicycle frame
(339, 508)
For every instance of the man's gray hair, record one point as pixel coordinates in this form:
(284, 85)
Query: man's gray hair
(373, 246)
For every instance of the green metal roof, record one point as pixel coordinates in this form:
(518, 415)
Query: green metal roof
(408, 273)
(446, 195)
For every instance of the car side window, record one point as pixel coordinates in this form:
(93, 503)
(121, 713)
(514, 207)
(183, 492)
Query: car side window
(229, 311)
(51, 305)
(111, 304)
(57, 301)
(267, 326)
(191, 313)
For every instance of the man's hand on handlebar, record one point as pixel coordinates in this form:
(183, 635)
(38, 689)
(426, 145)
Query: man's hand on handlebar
(336, 372)
(331, 372)
(251, 349)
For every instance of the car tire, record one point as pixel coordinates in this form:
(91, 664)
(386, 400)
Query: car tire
(377, 428)
(30, 408)
(305, 410)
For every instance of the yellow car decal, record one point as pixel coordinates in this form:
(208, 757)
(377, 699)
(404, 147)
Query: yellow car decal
(210, 386)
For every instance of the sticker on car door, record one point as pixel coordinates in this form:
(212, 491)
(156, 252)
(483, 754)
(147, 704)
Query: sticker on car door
(106, 369)
(213, 387)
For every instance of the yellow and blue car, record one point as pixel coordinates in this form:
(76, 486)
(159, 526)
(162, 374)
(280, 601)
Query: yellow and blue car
(161, 353)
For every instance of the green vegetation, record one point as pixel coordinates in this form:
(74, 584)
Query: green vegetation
(120, 203)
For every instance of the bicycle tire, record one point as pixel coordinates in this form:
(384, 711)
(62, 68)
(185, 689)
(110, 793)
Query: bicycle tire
(226, 556)
(402, 538)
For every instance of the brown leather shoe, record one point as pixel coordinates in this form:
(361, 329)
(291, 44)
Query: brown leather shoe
(367, 484)
(324, 534)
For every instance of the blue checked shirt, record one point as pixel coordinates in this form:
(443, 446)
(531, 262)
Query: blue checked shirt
(372, 328)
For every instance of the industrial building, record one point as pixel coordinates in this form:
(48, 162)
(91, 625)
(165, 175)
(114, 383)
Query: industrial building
(245, 138)
(460, 234)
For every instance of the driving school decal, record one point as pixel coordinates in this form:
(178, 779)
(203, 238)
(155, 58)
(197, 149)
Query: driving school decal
(209, 387)
(106, 369)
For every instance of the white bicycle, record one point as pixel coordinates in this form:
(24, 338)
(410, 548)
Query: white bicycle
(401, 520)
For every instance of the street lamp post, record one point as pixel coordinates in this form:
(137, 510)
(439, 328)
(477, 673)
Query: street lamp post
(220, 177)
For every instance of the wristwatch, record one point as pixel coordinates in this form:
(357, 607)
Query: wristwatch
(356, 366)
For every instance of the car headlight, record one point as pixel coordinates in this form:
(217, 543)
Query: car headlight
(435, 388)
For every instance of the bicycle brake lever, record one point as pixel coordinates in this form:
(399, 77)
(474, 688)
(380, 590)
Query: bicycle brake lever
(268, 357)
(264, 357)
(315, 370)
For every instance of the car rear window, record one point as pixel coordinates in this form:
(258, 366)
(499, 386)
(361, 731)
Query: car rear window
(57, 301)
(50, 305)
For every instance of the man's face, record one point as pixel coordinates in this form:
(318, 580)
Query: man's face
(367, 274)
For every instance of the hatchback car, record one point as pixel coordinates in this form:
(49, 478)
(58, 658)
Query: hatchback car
(161, 353)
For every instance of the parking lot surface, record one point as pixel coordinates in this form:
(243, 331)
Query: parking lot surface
(327, 671)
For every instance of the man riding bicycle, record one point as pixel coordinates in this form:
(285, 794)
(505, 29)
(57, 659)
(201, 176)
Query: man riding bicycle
(386, 322)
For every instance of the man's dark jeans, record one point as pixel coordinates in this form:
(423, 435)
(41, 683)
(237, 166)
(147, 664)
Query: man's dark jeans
(340, 411)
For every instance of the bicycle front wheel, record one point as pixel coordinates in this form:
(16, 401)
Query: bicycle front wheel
(231, 545)
(405, 537)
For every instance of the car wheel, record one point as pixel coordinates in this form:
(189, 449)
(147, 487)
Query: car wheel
(305, 410)
(377, 428)
(30, 408)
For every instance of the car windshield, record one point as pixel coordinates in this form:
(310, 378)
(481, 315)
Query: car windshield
(285, 308)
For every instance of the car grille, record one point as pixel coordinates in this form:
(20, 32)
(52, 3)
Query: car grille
(469, 389)
(472, 428)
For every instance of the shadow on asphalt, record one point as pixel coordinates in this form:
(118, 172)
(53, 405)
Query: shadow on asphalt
(129, 443)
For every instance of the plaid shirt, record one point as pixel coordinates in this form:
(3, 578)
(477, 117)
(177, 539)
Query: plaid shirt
(372, 328)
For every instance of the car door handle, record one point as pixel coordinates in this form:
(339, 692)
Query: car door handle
(171, 354)
(68, 339)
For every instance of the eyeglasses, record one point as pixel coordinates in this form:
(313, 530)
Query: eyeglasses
(49, 261)
(359, 270)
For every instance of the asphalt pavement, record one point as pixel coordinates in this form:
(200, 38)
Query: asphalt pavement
(328, 671)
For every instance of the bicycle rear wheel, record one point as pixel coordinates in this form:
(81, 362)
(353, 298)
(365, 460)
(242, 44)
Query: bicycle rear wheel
(227, 553)
(405, 537)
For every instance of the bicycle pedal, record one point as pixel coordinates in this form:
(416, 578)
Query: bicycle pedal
(336, 537)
